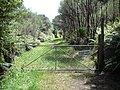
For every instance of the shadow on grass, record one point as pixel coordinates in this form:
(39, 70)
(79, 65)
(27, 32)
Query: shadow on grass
(99, 82)
(104, 82)
(64, 58)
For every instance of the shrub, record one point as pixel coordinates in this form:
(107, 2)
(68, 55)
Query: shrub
(113, 52)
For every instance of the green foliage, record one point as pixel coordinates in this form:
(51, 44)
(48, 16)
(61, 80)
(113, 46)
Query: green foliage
(113, 63)
(30, 29)
(83, 31)
(9, 10)
(20, 80)
(32, 26)
(77, 14)
(112, 50)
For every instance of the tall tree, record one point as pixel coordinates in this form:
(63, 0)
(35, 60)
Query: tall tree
(8, 12)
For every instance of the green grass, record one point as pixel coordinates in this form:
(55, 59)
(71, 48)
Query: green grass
(55, 41)
(41, 80)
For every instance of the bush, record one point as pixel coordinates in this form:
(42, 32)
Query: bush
(112, 55)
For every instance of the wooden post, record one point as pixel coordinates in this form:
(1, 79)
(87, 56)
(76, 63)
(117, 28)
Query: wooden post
(100, 56)
(100, 62)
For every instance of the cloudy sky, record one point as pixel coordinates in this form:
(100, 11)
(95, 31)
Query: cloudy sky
(47, 7)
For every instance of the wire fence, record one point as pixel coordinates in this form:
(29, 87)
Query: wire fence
(63, 58)
(59, 58)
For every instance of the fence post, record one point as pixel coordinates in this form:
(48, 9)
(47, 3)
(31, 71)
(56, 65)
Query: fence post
(100, 56)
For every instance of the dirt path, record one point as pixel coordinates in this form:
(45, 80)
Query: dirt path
(72, 81)
(86, 81)
(79, 81)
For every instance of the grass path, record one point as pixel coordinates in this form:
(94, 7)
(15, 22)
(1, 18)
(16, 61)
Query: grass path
(47, 57)
(51, 80)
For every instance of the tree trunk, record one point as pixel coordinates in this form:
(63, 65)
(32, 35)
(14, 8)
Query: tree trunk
(113, 11)
(119, 7)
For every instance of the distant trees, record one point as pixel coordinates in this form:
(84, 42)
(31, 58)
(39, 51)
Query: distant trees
(28, 25)
(79, 19)
(31, 25)
(57, 24)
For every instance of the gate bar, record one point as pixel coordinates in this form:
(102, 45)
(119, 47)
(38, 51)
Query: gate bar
(70, 45)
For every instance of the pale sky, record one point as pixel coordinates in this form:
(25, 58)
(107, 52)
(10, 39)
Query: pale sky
(47, 7)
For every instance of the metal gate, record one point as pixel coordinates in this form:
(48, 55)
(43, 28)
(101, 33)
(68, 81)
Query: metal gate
(64, 58)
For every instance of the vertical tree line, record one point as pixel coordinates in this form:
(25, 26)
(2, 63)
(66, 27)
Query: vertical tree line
(79, 19)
